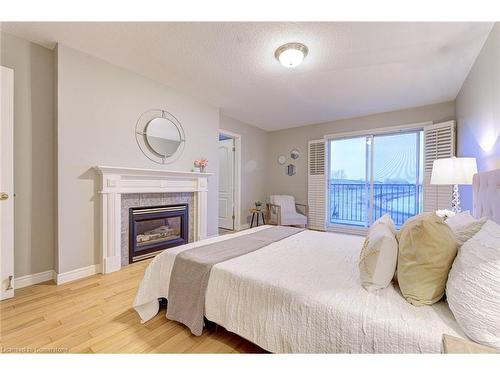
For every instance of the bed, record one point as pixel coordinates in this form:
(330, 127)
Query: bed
(302, 294)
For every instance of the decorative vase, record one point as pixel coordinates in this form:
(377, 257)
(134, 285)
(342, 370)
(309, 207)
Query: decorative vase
(202, 169)
(196, 169)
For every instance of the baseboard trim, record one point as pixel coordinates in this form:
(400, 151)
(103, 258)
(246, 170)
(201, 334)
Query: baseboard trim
(59, 278)
(80, 273)
(36, 278)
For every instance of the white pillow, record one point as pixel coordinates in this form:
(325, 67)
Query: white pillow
(460, 219)
(465, 226)
(379, 255)
(387, 221)
(465, 232)
(473, 287)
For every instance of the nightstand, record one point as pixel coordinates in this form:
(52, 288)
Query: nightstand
(455, 345)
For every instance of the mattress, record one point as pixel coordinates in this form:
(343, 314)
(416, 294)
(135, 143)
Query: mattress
(303, 295)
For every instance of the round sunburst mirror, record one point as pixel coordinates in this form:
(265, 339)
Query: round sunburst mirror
(160, 136)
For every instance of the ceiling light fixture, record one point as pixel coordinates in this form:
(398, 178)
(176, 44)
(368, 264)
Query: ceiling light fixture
(291, 55)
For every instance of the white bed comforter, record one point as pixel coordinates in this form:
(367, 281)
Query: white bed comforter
(303, 294)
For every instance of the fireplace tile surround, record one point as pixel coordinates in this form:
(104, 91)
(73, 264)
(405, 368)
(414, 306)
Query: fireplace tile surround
(149, 186)
(148, 200)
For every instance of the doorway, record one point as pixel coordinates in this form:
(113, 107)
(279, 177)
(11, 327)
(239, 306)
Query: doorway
(6, 183)
(229, 154)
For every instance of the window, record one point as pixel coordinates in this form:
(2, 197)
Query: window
(374, 174)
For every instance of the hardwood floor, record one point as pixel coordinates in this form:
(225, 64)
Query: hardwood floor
(225, 231)
(95, 315)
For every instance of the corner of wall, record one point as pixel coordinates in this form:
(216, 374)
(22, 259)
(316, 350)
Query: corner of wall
(477, 111)
(56, 158)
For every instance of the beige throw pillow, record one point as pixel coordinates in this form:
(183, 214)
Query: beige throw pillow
(378, 257)
(427, 248)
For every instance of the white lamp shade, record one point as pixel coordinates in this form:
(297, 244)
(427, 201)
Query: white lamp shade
(453, 171)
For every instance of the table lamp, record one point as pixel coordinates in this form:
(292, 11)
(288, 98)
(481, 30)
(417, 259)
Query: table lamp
(453, 171)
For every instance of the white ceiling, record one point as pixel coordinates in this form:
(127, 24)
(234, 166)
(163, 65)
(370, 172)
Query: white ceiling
(352, 69)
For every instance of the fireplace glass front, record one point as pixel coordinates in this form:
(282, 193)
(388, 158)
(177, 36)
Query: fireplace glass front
(153, 229)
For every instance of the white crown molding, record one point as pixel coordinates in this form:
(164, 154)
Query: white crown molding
(36, 278)
(80, 273)
(116, 181)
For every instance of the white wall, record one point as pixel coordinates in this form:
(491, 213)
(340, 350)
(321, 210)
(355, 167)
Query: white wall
(283, 141)
(254, 162)
(478, 111)
(98, 106)
(33, 153)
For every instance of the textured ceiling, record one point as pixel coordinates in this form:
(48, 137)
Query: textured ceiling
(353, 69)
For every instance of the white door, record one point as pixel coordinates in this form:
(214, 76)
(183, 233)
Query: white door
(6, 183)
(226, 184)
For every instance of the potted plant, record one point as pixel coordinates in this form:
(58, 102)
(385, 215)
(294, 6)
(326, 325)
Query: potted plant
(258, 205)
(200, 165)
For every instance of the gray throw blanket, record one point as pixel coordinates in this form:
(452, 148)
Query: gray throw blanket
(191, 270)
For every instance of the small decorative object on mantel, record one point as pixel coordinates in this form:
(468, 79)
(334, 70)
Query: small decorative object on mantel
(258, 205)
(281, 159)
(290, 170)
(200, 165)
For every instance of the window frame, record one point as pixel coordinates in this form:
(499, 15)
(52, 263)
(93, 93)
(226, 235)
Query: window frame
(368, 133)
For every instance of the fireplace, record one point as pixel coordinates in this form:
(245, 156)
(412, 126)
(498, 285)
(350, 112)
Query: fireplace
(156, 228)
(121, 188)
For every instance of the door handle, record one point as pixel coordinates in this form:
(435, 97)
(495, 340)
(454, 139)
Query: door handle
(4, 196)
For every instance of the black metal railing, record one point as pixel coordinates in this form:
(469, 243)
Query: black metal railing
(349, 203)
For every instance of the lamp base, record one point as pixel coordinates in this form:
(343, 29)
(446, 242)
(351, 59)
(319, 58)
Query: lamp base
(455, 202)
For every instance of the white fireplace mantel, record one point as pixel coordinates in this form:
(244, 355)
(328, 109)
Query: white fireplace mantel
(116, 181)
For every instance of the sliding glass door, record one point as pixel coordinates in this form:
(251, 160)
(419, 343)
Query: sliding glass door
(397, 175)
(375, 174)
(349, 182)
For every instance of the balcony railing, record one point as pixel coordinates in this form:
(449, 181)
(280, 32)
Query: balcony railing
(349, 202)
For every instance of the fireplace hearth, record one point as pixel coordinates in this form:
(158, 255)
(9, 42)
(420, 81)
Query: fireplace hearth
(156, 228)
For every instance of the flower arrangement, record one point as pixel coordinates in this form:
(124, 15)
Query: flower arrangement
(201, 164)
(445, 214)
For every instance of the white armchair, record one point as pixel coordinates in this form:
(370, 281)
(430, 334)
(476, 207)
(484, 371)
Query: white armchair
(282, 210)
